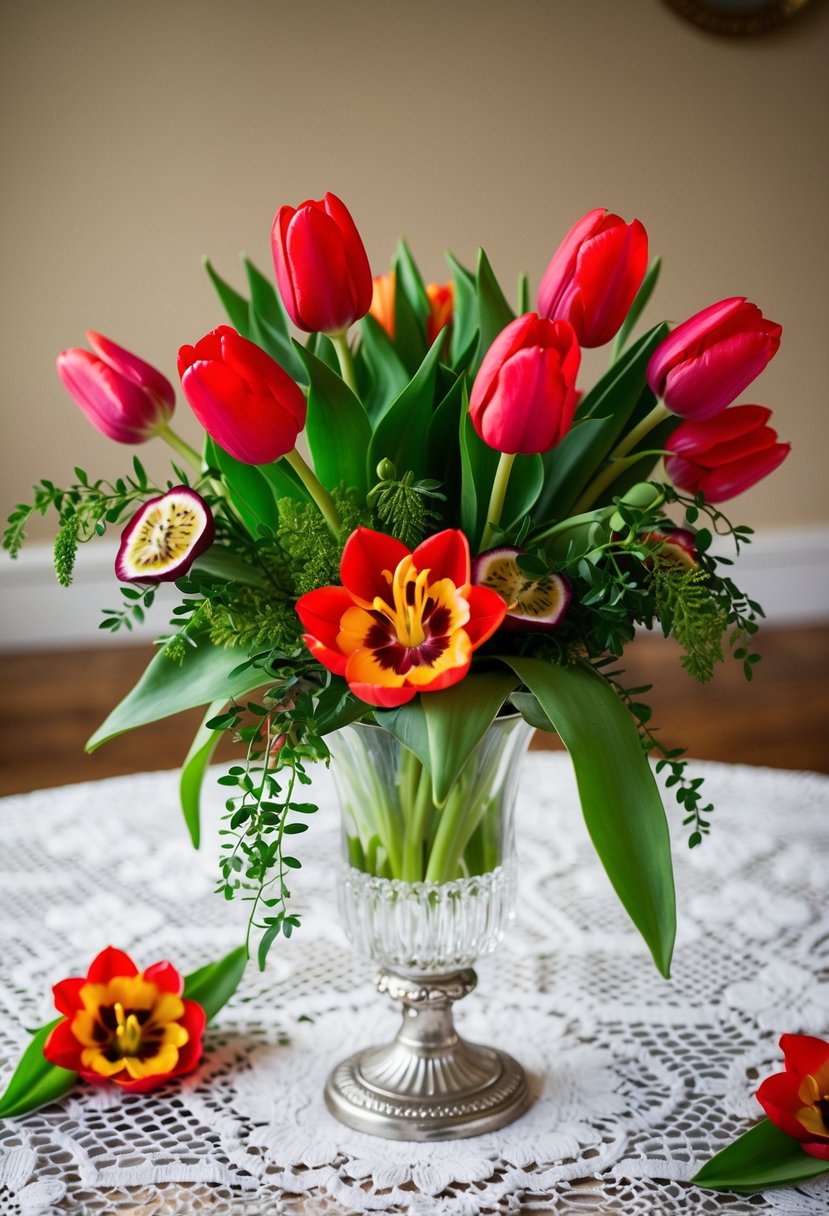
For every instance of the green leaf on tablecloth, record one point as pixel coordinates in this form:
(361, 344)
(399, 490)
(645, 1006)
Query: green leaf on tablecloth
(195, 765)
(762, 1157)
(35, 1082)
(619, 796)
(212, 986)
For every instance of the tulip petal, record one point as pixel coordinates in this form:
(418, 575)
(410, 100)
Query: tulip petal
(332, 659)
(559, 273)
(486, 612)
(511, 339)
(735, 478)
(804, 1053)
(134, 369)
(817, 1148)
(62, 1048)
(687, 336)
(700, 388)
(321, 281)
(446, 555)
(382, 698)
(165, 977)
(322, 610)
(367, 554)
(778, 1097)
(110, 964)
(691, 436)
(67, 996)
(113, 404)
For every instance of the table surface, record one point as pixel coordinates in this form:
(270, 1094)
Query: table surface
(636, 1080)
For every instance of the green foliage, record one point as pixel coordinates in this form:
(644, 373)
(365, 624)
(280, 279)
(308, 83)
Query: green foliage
(762, 1157)
(252, 618)
(687, 610)
(66, 550)
(405, 508)
(312, 553)
(137, 602)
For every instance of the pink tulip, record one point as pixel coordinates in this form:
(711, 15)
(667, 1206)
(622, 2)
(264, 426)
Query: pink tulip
(241, 396)
(724, 456)
(321, 266)
(707, 361)
(124, 397)
(524, 396)
(594, 275)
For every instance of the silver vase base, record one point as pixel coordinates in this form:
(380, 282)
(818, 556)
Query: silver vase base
(428, 1083)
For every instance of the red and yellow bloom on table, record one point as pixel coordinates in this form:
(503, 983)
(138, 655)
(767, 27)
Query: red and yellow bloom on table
(797, 1100)
(131, 1027)
(402, 622)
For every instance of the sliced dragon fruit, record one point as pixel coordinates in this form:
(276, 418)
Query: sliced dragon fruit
(164, 537)
(532, 603)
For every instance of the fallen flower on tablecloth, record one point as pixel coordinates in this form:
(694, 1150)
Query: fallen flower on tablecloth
(136, 1029)
(793, 1142)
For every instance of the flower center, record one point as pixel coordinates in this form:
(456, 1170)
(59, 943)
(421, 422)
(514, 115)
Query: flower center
(127, 1038)
(411, 606)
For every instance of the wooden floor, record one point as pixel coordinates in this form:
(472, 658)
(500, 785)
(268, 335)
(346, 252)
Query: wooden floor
(51, 703)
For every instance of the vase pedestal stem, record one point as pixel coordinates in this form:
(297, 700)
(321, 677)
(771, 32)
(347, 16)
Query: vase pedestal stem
(428, 1083)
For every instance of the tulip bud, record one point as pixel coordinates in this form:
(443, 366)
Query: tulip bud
(594, 275)
(524, 396)
(723, 456)
(382, 301)
(441, 305)
(124, 397)
(707, 361)
(241, 396)
(322, 270)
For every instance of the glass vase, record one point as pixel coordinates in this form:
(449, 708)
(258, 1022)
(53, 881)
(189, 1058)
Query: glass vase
(425, 888)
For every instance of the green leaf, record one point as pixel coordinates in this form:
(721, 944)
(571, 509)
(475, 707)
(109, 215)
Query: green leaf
(525, 485)
(385, 374)
(408, 724)
(457, 719)
(224, 564)
(284, 482)
(337, 428)
(619, 796)
(408, 279)
(762, 1157)
(494, 312)
(250, 490)
(266, 301)
(478, 465)
(402, 432)
(571, 465)
(280, 347)
(35, 1082)
(168, 688)
(234, 304)
(523, 294)
(637, 307)
(213, 986)
(195, 765)
(464, 310)
(618, 390)
(409, 313)
(531, 711)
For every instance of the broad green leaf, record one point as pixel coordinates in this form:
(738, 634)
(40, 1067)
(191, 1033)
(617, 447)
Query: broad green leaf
(250, 491)
(571, 465)
(324, 349)
(442, 445)
(409, 317)
(494, 313)
(337, 428)
(523, 294)
(213, 986)
(410, 281)
(457, 719)
(337, 707)
(234, 304)
(464, 311)
(385, 375)
(195, 765)
(168, 688)
(35, 1082)
(531, 711)
(478, 466)
(284, 481)
(619, 796)
(640, 470)
(524, 486)
(402, 432)
(408, 724)
(280, 347)
(224, 564)
(265, 299)
(762, 1157)
(618, 390)
(637, 307)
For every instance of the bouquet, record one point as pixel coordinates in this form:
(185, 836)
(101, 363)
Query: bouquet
(469, 532)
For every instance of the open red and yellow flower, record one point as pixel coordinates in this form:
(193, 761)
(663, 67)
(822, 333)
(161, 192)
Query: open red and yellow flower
(402, 622)
(797, 1100)
(129, 1027)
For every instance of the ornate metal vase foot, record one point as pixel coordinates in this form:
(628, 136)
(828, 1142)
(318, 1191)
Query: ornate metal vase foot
(428, 1083)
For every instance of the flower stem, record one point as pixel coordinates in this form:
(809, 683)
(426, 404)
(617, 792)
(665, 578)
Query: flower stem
(617, 462)
(178, 445)
(496, 498)
(317, 491)
(346, 360)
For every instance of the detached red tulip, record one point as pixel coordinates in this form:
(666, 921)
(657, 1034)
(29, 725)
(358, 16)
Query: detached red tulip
(127, 399)
(402, 622)
(321, 265)
(594, 275)
(707, 361)
(524, 396)
(726, 455)
(129, 1027)
(797, 1100)
(241, 396)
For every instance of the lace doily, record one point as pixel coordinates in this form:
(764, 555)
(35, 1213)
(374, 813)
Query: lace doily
(637, 1081)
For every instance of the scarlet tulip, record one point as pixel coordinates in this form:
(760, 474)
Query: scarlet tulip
(321, 265)
(124, 397)
(441, 305)
(594, 275)
(524, 395)
(707, 361)
(402, 622)
(797, 1100)
(724, 456)
(134, 1029)
(241, 396)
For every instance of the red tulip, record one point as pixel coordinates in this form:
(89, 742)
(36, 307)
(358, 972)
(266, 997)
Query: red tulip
(321, 265)
(119, 1025)
(402, 622)
(707, 361)
(724, 456)
(241, 396)
(797, 1100)
(524, 395)
(124, 397)
(594, 275)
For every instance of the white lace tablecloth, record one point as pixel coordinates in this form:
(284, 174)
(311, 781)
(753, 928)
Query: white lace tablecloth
(637, 1081)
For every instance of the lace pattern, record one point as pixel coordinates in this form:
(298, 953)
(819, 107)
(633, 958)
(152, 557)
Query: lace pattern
(637, 1081)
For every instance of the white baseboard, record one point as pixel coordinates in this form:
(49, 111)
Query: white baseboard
(787, 571)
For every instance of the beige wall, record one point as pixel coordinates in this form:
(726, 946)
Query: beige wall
(138, 136)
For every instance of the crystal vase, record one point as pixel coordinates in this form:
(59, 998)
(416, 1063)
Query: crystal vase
(425, 888)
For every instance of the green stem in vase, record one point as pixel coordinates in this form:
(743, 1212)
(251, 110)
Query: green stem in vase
(417, 829)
